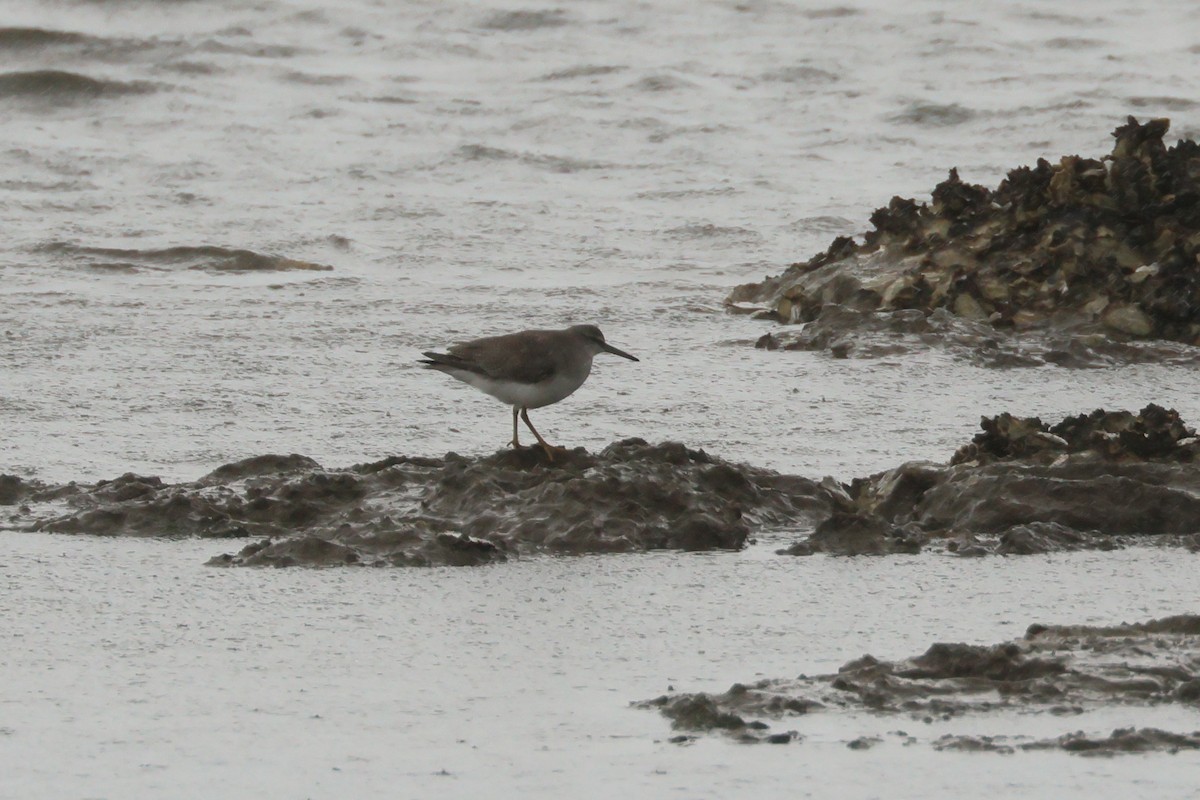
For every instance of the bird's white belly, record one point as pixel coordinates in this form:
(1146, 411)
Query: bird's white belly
(526, 395)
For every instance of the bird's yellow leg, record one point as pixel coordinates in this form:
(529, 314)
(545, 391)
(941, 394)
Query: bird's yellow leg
(516, 441)
(549, 448)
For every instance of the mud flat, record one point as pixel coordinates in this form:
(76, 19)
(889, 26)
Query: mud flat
(404, 511)
(1085, 262)
(1093, 481)
(1059, 671)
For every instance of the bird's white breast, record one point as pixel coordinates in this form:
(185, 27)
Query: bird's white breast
(528, 395)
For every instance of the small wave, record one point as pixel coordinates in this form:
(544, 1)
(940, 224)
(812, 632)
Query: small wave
(479, 152)
(56, 85)
(1062, 19)
(191, 68)
(661, 83)
(1164, 103)
(934, 115)
(681, 194)
(524, 20)
(562, 163)
(1073, 43)
(36, 38)
(709, 231)
(154, 51)
(203, 257)
(253, 49)
(799, 74)
(824, 224)
(664, 135)
(583, 71)
(311, 79)
(17, 185)
(389, 99)
(834, 12)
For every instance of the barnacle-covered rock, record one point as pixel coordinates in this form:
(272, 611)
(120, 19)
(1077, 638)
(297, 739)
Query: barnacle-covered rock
(1082, 257)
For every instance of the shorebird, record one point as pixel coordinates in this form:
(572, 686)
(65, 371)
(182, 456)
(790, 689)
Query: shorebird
(529, 369)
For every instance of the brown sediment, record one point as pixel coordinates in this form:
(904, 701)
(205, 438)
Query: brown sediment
(404, 511)
(1071, 263)
(1094, 481)
(1052, 670)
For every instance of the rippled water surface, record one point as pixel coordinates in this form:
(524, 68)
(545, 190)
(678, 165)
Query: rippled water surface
(173, 175)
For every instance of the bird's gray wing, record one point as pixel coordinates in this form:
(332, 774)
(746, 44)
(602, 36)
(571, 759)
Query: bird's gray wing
(524, 358)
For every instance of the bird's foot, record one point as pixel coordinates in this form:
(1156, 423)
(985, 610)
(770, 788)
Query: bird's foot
(551, 450)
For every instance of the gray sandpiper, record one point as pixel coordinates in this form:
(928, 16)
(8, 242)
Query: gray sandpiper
(529, 369)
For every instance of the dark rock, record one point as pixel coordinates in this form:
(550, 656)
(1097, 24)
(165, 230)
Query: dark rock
(1083, 259)
(725, 712)
(256, 466)
(1041, 537)
(863, 742)
(849, 534)
(699, 713)
(1000, 663)
(974, 744)
(306, 550)
(12, 490)
(127, 487)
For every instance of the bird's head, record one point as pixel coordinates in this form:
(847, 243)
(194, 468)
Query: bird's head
(592, 335)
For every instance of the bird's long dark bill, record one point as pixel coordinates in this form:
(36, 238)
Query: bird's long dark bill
(609, 348)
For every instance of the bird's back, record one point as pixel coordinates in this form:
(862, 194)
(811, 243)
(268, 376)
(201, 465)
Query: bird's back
(526, 357)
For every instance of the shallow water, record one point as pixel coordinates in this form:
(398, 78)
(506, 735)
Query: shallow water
(474, 168)
(158, 674)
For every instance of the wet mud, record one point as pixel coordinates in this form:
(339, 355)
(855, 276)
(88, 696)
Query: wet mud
(1087, 262)
(1021, 486)
(1058, 671)
(455, 510)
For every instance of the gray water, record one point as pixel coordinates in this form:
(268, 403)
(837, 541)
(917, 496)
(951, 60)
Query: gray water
(476, 168)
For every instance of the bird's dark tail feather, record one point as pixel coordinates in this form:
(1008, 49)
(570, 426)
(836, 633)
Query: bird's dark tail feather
(445, 360)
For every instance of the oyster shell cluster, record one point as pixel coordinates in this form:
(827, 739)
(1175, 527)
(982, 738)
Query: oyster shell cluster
(1113, 241)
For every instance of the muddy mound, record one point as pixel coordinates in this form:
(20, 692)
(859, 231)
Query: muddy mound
(633, 496)
(1081, 258)
(1052, 670)
(1094, 481)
